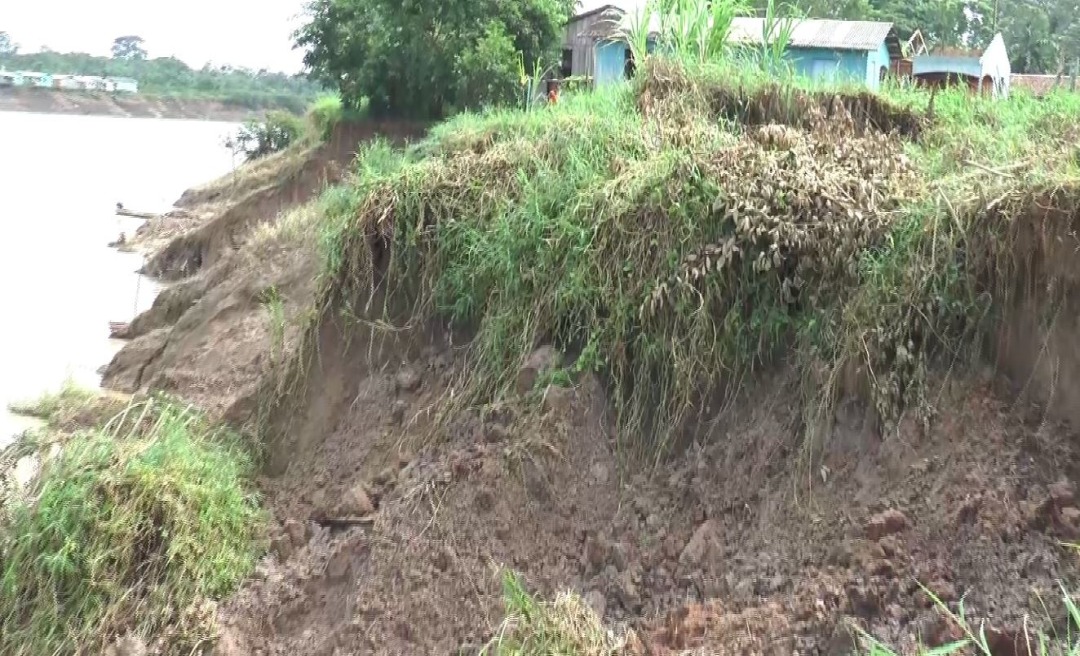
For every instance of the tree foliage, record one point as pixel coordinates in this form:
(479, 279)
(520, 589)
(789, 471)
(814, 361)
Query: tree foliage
(7, 46)
(128, 47)
(422, 59)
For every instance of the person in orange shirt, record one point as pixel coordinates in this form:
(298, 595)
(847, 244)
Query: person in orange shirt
(553, 92)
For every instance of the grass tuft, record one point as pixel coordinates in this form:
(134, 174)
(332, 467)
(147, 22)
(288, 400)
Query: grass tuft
(564, 627)
(69, 400)
(136, 527)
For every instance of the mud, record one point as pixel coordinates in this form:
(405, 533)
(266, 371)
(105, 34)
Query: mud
(735, 547)
(209, 336)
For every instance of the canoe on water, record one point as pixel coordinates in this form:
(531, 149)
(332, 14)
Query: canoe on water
(123, 211)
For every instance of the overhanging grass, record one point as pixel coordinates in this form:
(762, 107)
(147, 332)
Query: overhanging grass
(134, 527)
(675, 238)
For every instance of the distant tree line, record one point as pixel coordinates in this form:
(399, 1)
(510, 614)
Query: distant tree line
(168, 76)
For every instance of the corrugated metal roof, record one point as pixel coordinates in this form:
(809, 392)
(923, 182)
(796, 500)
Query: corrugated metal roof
(817, 33)
(587, 7)
(806, 33)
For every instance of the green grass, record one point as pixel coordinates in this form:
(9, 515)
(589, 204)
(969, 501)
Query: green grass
(133, 527)
(564, 627)
(975, 637)
(642, 228)
(69, 399)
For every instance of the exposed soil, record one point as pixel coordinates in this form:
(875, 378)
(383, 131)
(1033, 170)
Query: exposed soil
(392, 523)
(384, 547)
(230, 211)
(209, 337)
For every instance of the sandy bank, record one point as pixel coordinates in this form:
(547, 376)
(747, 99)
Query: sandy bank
(102, 104)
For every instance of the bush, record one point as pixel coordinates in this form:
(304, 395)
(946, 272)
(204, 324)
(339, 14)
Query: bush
(324, 114)
(261, 138)
(131, 528)
(488, 74)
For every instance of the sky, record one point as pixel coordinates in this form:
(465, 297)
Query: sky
(251, 33)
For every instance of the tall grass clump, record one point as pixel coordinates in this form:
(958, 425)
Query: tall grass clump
(563, 627)
(136, 527)
(709, 220)
(670, 260)
(700, 31)
(325, 113)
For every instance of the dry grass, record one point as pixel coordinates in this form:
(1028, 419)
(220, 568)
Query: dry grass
(564, 627)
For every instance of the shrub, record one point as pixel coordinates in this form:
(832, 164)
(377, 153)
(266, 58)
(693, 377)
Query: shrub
(324, 114)
(261, 138)
(130, 528)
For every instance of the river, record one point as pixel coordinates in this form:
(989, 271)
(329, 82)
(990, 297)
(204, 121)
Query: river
(60, 284)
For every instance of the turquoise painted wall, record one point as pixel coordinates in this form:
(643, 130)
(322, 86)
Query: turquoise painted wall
(831, 65)
(875, 61)
(610, 62)
(854, 66)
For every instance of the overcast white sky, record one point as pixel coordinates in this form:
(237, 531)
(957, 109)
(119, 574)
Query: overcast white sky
(253, 33)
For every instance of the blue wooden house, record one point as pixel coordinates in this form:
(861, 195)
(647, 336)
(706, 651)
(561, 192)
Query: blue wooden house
(857, 52)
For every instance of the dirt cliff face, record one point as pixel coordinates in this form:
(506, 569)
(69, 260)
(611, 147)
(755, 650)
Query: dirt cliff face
(393, 520)
(238, 294)
(392, 527)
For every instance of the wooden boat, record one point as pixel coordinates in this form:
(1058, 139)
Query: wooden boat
(119, 329)
(123, 211)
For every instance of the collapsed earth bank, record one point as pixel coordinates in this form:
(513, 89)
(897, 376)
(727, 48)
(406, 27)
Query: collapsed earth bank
(411, 458)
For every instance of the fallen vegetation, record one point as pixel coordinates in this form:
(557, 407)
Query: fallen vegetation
(132, 529)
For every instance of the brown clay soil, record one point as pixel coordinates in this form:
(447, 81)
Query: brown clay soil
(208, 337)
(392, 524)
(732, 548)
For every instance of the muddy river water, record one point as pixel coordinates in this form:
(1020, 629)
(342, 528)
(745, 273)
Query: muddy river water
(60, 285)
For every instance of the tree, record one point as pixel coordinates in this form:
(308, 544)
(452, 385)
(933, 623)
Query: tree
(7, 46)
(128, 47)
(1043, 36)
(421, 59)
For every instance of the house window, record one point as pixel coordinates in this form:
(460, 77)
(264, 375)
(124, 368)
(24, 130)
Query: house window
(567, 68)
(629, 65)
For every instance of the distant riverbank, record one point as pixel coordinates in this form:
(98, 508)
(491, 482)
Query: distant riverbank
(47, 101)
